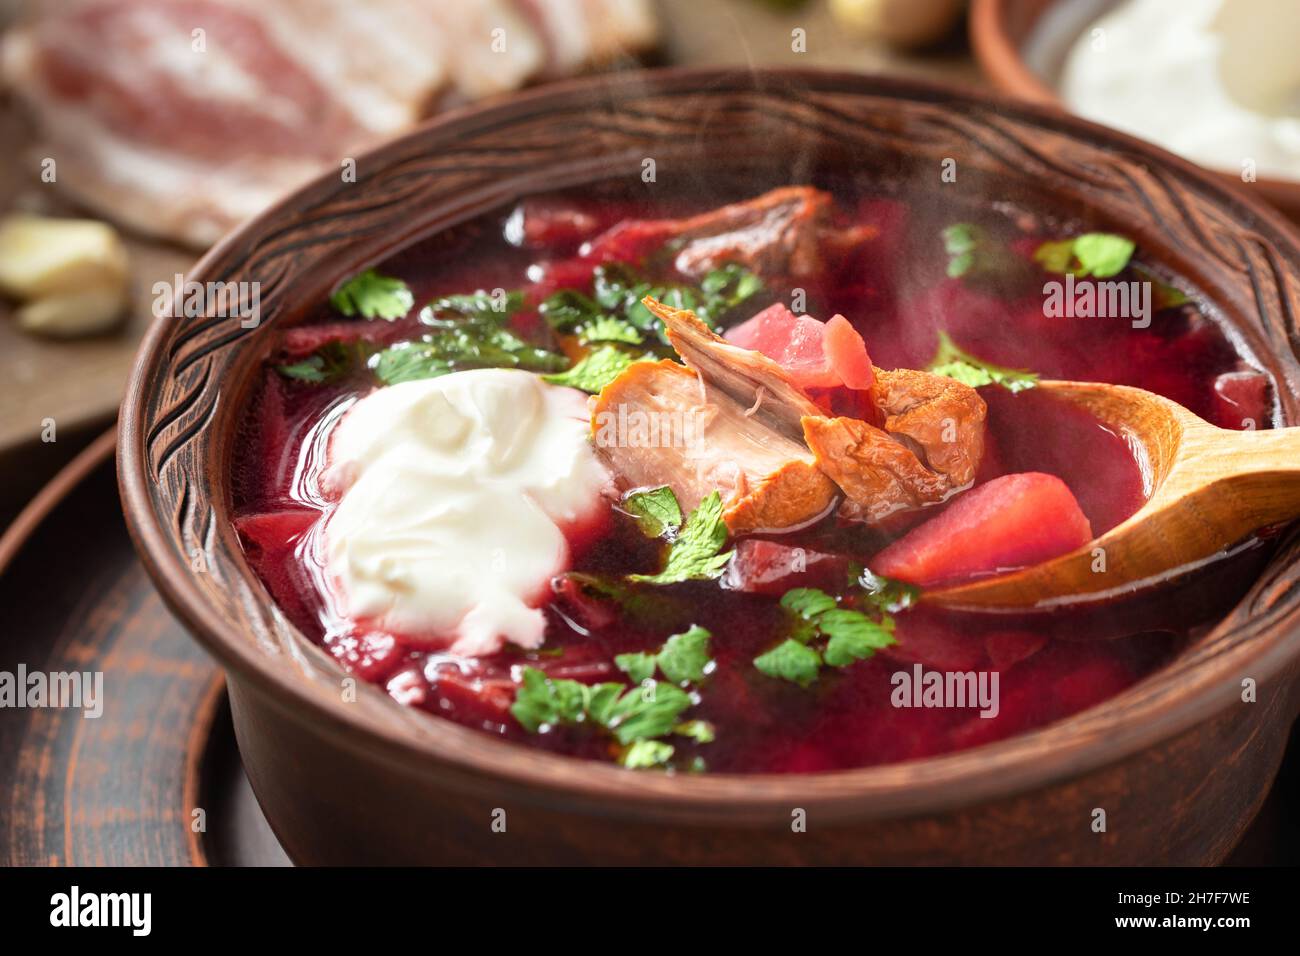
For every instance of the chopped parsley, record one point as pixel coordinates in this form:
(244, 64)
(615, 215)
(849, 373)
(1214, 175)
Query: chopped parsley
(791, 660)
(594, 370)
(975, 256)
(684, 659)
(329, 363)
(1097, 254)
(696, 552)
(635, 717)
(953, 362)
(841, 634)
(469, 344)
(656, 511)
(884, 593)
(373, 296)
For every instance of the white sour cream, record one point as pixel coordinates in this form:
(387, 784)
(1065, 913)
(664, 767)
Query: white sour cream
(453, 495)
(1163, 71)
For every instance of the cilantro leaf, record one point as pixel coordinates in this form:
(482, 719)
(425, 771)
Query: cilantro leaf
(1098, 254)
(543, 701)
(594, 371)
(696, 553)
(638, 666)
(792, 661)
(852, 636)
(481, 306)
(656, 511)
(645, 754)
(645, 606)
(373, 296)
(975, 256)
(955, 363)
(647, 711)
(601, 700)
(606, 328)
(685, 657)
(807, 602)
(329, 363)
(460, 346)
(886, 593)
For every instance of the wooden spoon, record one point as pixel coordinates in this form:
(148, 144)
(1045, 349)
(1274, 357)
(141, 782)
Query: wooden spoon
(1207, 488)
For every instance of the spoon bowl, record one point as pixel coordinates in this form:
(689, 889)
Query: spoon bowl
(1207, 488)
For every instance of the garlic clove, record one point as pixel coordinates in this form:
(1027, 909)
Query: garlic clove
(73, 314)
(42, 257)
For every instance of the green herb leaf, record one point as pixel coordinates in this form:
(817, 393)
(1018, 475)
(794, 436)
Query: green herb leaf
(601, 701)
(373, 296)
(696, 553)
(606, 328)
(955, 363)
(1163, 295)
(647, 711)
(656, 511)
(645, 754)
(1099, 254)
(886, 593)
(595, 370)
(638, 666)
(852, 636)
(685, 657)
(329, 363)
(541, 701)
(461, 345)
(975, 256)
(700, 731)
(792, 661)
(807, 602)
(489, 308)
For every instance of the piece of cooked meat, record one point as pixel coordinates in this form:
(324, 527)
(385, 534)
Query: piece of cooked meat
(878, 475)
(775, 233)
(659, 424)
(744, 375)
(943, 417)
(929, 447)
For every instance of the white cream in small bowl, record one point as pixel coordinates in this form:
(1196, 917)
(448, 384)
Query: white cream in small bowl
(455, 494)
(1217, 81)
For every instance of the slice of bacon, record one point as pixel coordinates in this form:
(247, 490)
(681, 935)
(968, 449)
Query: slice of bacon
(182, 118)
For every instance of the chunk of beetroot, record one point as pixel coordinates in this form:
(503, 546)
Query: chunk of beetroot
(816, 354)
(769, 567)
(1011, 522)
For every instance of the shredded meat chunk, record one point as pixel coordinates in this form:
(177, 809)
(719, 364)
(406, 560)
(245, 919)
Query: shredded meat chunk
(930, 446)
(658, 424)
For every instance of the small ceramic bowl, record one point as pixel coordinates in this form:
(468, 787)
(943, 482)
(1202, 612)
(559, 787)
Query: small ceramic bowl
(1178, 762)
(1000, 32)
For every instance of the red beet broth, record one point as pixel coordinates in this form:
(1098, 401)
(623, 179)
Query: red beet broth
(898, 297)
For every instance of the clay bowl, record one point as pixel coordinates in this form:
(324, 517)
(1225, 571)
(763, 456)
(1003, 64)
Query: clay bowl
(1178, 762)
(1000, 31)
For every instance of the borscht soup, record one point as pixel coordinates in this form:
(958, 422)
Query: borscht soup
(665, 484)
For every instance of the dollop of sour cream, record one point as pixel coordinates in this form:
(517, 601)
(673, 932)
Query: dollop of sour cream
(1166, 71)
(453, 496)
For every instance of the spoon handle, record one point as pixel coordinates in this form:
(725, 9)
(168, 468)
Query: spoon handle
(1257, 471)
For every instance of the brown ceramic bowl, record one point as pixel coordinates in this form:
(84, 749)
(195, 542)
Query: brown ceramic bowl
(1178, 762)
(1000, 30)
